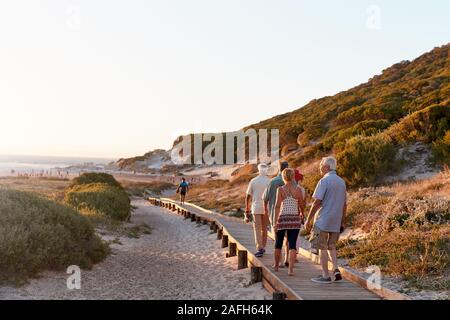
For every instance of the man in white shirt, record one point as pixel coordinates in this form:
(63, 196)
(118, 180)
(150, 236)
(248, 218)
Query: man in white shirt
(255, 193)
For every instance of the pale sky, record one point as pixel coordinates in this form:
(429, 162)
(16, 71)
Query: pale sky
(107, 78)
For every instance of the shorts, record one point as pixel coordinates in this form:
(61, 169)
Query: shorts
(292, 235)
(323, 240)
(183, 193)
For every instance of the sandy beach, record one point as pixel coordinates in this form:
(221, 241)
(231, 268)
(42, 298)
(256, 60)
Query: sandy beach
(178, 260)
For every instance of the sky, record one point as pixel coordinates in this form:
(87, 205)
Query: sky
(109, 78)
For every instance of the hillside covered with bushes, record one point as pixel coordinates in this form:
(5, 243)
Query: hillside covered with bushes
(367, 125)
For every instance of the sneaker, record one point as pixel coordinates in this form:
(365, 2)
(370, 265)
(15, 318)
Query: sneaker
(337, 275)
(259, 254)
(321, 280)
(263, 250)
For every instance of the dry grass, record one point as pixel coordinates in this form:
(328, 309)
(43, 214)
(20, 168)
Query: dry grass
(408, 230)
(369, 206)
(51, 188)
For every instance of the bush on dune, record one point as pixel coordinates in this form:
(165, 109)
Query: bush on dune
(426, 125)
(366, 159)
(88, 178)
(37, 234)
(101, 198)
(441, 150)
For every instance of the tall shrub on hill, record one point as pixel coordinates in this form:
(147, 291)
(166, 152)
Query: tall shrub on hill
(441, 150)
(37, 234)
(426, 125)
(365, 159)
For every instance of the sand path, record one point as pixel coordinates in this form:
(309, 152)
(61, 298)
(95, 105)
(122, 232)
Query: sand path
(178, 260)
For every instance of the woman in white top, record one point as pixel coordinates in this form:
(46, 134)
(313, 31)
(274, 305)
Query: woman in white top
(288, 217)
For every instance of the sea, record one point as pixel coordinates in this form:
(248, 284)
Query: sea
(16, 165)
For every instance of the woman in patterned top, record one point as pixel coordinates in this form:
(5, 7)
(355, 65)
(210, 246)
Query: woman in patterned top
(288, 217)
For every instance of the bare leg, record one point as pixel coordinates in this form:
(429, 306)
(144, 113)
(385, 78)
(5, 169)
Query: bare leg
(286, 245)
(277, 259)
(292, 256)
(324, 263)
(333, 258)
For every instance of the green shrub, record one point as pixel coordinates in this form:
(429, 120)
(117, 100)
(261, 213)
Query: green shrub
(427, 125)
(365, 159)
(37, 234)
(100, 197)
(363, 128)
(88, 178)
(441, 150)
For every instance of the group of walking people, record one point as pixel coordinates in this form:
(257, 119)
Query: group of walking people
(279, 204)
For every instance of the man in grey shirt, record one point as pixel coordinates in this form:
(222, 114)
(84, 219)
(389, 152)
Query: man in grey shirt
(270, 195)
(327, 217)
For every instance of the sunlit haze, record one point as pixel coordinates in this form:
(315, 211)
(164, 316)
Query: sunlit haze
(120, 78)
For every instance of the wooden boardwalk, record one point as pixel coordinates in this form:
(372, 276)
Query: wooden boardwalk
(298, 287)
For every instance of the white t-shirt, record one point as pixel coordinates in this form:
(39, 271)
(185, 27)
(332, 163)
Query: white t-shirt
(256, 189)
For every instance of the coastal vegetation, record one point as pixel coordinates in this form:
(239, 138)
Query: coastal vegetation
(91, 177)
(367, 125)
(50, 224)
(38, 234)
(407, 228)
(101, 198)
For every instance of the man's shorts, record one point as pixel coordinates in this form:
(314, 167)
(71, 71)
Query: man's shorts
(323, 240)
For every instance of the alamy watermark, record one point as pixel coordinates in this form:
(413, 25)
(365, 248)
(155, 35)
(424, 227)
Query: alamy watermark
(73, 21)
(240, 147)
(373, 21)
(74, 280)
(374, 280)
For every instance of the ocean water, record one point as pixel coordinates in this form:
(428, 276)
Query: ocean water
(35, 164)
